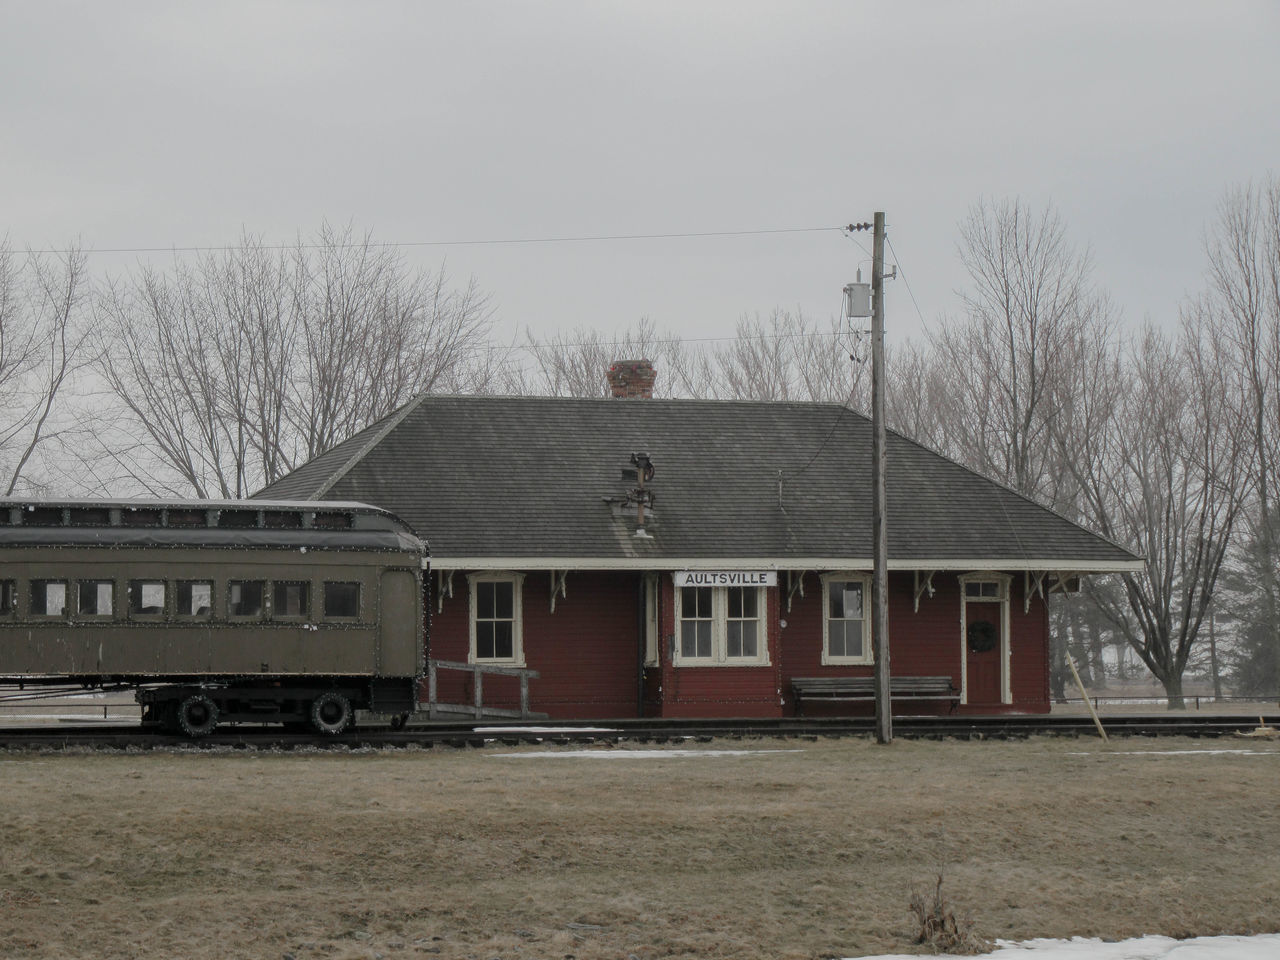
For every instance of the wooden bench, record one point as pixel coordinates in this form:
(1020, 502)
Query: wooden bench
(835, 689)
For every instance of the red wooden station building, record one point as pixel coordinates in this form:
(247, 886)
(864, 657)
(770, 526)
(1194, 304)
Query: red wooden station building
(691, 558)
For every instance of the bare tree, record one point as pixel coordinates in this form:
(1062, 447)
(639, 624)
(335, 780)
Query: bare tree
(783, 357)
(193, 360)
(790, 357)
(760, 363)
(231, 371)
(412, 333)
(573, 364)
(1003, 374)
(41, 346)
(1007, 365)
(915, 398)
(1167, 475)
(1241, 312)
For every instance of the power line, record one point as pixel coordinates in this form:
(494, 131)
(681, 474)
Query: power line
(656, 341)
(455, 243)
(898, 262)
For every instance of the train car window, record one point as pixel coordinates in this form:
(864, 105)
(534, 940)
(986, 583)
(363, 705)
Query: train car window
(290, 599)
(238, 519)
(194, 599)
(188, 518)
(146, 598)
(95, 598)
(48, 598)
(89, 517)
(42, 517)
(244, 598)
(140, 517)
(8, 597)
(282, 520)
(341, 600)
(332, 521)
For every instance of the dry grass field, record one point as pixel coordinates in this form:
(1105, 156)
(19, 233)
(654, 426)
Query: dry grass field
(796, 849)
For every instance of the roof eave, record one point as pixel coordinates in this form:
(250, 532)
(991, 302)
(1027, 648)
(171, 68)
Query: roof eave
(779, 563)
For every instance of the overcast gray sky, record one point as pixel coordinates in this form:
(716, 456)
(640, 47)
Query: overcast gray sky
(140, 124)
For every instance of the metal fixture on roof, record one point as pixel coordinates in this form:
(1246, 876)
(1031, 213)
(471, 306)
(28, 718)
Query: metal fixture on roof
(639, 494)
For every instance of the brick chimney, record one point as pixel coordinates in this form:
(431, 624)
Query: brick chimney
(632, 379)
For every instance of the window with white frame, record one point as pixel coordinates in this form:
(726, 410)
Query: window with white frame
(720, 626)
(846, 624)
(979, 588)
(496, 619)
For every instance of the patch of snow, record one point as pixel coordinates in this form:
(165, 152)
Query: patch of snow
(1263, 947)
(1172, 753)
(598, 754)
(545, 729)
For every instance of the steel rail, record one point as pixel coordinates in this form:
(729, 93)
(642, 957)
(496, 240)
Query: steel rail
(470, 734)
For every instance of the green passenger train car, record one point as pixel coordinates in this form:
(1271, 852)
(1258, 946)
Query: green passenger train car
(216, 611)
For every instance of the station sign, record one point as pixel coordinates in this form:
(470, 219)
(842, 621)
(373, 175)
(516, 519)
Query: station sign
(726, 578)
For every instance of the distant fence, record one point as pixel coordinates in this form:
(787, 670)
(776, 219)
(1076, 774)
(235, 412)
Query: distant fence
(1198, 699)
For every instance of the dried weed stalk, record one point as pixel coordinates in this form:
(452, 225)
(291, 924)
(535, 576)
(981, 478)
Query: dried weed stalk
(941, 929)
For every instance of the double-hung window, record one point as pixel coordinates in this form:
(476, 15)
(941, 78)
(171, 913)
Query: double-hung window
(846, 619)
(720, 626)
(697, 622)
(496, 635)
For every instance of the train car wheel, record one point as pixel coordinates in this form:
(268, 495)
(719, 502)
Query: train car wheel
(331, 713)
(197, 715)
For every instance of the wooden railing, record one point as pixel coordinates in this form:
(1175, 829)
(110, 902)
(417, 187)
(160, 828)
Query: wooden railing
(478, 671)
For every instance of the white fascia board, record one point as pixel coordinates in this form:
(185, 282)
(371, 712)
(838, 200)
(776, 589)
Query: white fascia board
(773, 563)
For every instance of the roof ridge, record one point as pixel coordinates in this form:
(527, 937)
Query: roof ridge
(393, 420)
(637, 402)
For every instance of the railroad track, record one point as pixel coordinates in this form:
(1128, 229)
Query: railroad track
(650, 731)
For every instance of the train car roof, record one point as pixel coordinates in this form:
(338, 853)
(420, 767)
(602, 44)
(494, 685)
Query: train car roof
(317, 524)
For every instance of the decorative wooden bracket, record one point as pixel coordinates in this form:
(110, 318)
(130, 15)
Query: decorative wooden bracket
(444, 588)
(558, 586)
(1033, 583)
(923, 586)
(795, 584)
(1065, 581)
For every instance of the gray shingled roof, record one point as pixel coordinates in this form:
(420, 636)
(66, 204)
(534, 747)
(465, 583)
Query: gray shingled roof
(487, 480)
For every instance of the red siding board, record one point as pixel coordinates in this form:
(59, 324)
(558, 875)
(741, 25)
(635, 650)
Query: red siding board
(924, 642)
(718, 691)
(587, 651)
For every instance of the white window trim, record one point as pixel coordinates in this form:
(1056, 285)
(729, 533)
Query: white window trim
(720, 633)
(867, 656)
(1004, 579)
(517, 616)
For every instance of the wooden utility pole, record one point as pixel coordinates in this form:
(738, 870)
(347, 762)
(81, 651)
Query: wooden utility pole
(880, 538)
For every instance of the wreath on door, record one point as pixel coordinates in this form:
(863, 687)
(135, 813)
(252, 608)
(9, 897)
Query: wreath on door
(982, 636)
